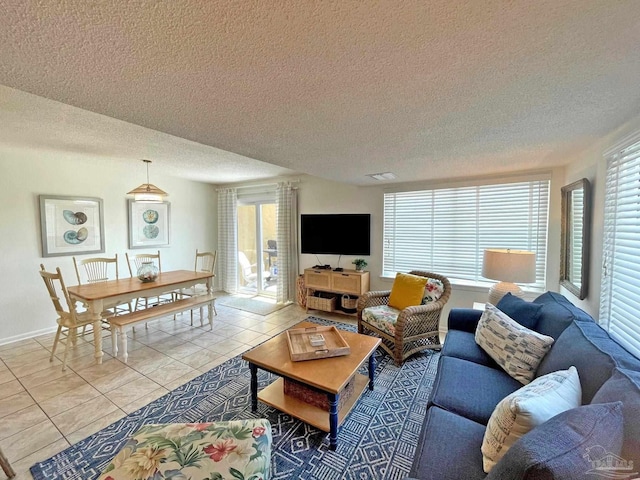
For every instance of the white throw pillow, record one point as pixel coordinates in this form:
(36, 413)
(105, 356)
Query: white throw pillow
(526, 408)
(515, 348)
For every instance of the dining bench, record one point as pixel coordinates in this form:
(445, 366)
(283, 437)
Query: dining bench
(119, 323)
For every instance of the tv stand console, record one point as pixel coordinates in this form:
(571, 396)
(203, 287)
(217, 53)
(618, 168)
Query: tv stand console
(346, 282)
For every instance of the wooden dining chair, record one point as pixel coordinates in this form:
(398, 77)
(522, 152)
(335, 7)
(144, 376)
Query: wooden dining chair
(69, 319)
(134, 262)
(205, 262)
(100, 269)
(96, 269)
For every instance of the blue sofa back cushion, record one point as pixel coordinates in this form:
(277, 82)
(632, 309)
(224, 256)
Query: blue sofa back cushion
(557, 313)
(525, 313)
(592, 351)
(624, 385)
(567, 447)
(463, 345)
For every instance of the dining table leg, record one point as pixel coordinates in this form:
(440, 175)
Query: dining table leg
(95, 310)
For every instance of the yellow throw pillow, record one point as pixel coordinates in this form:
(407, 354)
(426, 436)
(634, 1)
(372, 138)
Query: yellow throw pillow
(407, 291)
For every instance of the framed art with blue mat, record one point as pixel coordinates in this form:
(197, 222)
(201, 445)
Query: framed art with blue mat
(377, 439)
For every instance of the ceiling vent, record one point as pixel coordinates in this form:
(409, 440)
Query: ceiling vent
(382, 176)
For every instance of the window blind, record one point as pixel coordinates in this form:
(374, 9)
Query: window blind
(446, 230)
(620, 292)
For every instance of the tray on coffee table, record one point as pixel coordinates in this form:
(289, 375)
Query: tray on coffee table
(300, 347)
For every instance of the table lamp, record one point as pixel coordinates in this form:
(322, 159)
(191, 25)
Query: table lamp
(508, 267)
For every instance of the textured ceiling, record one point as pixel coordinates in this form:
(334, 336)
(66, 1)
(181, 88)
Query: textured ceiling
(334, 88)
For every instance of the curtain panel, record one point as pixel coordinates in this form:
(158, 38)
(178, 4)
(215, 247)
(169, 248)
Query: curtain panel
(228, 239)
(287, 238)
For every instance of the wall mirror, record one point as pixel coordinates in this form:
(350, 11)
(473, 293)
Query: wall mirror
(574, 253)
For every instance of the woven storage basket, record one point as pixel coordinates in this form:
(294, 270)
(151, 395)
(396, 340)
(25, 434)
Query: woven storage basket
(348, 302)
(324, 304)
(301, 291)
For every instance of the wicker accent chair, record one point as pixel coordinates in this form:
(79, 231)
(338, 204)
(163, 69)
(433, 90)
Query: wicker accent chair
(416, 328)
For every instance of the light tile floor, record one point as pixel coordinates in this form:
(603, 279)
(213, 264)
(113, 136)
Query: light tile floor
(43, 410)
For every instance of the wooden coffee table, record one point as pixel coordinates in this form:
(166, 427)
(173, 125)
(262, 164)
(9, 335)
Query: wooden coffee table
(327, 376)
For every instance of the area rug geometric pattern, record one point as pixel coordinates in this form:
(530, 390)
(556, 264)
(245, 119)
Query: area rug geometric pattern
(377, 440)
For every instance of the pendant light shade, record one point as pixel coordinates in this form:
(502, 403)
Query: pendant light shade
(148, 192)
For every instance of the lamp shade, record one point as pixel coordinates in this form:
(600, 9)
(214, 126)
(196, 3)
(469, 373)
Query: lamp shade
(148, 192)
(506, 265)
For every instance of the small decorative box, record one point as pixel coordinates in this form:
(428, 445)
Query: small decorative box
(316, 340)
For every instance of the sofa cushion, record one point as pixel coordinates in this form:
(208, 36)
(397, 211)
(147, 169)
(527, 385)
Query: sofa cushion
(624, 386)
(517, 349)
(449, 448)
(566, 447)
(525, 409)
(590, 349)
(383, 317)
(463, 319)
(557, 313)
(407, 291)
(525, 313)
(463, 345)
(469, 389)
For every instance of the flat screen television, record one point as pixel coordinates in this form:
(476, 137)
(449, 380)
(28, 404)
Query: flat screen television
(336, 234)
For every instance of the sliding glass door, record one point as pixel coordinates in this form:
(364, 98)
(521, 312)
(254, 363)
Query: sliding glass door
(257, 248)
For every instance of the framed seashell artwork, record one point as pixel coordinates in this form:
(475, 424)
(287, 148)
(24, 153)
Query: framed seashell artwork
(149, 224)
(71, 225)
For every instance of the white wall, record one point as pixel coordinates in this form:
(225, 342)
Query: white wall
(25, 174)
(592, 165)
(317, 195)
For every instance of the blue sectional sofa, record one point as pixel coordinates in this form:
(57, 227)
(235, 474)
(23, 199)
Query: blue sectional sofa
(469, 384)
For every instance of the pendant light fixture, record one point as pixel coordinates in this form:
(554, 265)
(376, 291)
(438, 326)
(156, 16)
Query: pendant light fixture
(147, 192)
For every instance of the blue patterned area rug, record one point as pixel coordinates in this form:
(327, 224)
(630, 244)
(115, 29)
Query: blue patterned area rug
(376, 441)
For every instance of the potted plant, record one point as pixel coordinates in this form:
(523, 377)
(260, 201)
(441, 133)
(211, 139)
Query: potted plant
(360, 263)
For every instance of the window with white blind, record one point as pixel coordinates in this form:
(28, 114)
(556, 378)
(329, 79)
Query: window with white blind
(446, 230)
(620, 292)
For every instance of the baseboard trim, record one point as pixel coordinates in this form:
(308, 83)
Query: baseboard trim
(26, 336)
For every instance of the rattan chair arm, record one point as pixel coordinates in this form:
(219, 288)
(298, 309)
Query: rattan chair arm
(421, 314)
(420, 309)
(374, 298)
(378, 293)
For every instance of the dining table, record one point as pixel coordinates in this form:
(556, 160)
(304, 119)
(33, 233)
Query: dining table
(99, 296)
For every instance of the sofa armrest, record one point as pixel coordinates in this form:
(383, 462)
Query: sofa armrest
(465, 319)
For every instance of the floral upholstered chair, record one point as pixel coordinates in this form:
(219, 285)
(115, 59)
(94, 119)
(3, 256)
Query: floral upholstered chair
(411, 329)
(237, 449)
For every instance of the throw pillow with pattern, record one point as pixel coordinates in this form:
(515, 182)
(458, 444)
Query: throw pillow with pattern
(433, 290)
(514, 347)
(525, 409)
